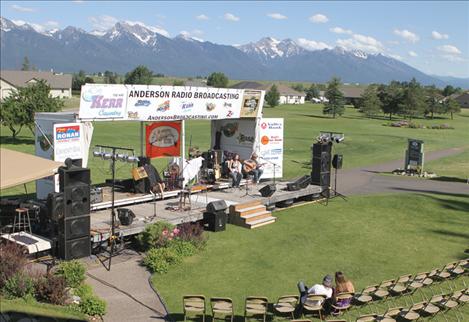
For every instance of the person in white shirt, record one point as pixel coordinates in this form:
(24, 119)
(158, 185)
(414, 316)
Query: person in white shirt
(319, 289)
(234, 170)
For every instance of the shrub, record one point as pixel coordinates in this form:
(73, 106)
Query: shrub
(83, 290)
(12, 261)
(158, 260)
(73, 272)
(92, 305)
(183, 248)
(159, 234)
(18, 285)
(194, 233)
(51, 289)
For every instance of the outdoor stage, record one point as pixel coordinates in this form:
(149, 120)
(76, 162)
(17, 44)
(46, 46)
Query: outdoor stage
(149, 209)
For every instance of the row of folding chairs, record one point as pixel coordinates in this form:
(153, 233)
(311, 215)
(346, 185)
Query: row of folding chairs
(406, 286)
(438, 304)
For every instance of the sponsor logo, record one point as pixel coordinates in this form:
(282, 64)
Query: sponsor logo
(251, 103)
(132, 115)
(210, 106)
(264, 125)
(229, 114)
(265, 140)
(228, 105)
(187, 106)
(88, 94)
(142, 103)
(163, 107)
(245, 138)
(67, 132)
(275, 126)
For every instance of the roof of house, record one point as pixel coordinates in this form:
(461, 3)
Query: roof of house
(462, 98)
(247, 85)
(352, 92)
(284, 90)
(19, 78)
(196, 83)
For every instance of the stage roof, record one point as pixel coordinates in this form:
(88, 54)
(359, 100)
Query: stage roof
(18, 168)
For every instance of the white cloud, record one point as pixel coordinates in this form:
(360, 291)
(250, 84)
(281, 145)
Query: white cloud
(78, 1)
(395, 56)
(22, 9)
(230, 17)
(311, 44)
(339, 30)
(318, 18)
(438, 36)
(201, 17)
(103, 22)
(454, 59)
(412, 53)
(48, 25)
(362, 42)
(156, 29)
(192, 34)
(449, 49)
(277, 16)
(407, 35)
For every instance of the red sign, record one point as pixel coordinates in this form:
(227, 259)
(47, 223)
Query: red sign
(163, 139)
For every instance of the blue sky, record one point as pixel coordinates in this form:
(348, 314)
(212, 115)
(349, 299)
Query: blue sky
(431, 36)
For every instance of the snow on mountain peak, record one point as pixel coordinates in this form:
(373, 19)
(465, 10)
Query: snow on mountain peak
(270, 48)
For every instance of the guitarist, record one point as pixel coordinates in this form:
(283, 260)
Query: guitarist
(253, 167)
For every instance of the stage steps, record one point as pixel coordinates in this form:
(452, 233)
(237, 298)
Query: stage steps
(252, 214)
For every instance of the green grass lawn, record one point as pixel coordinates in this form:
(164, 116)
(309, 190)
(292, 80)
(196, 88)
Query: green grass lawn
(456, 166)
(368, 238)
(367, 140)
(39, 310)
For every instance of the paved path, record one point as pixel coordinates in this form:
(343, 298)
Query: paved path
(126, 289)
(368, 180)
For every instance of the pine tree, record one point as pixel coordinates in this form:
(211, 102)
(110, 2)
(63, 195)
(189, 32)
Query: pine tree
(336, 103)
(371, 105)
(273, 96)
(25, 65)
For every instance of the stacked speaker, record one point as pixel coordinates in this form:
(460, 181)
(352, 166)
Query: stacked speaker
(70, 210)
(321, 173)
(215, 217)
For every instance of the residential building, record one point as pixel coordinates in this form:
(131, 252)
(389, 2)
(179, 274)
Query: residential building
(287, 94)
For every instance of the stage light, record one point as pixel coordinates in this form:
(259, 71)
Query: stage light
(97, 154)
(121, 157)
(107, 156)
(132, 159)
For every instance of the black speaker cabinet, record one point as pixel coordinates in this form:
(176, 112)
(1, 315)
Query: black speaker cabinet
(268, 190)
(321, 178)
(126, 216)
(218, 205)
(337, 161)
(55, 206)
(69, 177)
(75, 227)
(77, 199)
(216, 221)
(299, 183)
(75, 248)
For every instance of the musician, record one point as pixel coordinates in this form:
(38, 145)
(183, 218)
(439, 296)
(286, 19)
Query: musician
(234, 170)
(253, 168)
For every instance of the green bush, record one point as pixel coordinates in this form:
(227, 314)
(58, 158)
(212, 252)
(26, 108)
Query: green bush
(158, 260)
(19, 285)
(183, 248)
(92, 305)
(83, 290)
(73, 272)
(159, 234)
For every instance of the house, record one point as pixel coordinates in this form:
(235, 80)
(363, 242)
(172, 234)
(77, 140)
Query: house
(462, 99)
(60, 84)
(287, 94)
(352, 94)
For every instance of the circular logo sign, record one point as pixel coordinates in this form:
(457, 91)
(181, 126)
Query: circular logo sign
(265, 140)
(264, 125)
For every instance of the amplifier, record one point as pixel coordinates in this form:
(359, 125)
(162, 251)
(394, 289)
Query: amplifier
(299, 183)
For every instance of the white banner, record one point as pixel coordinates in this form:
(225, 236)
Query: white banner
(68, 141)
(167, 103)
(103, 101)
(271, 146)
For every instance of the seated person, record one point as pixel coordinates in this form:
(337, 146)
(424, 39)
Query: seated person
(318, 289)
(234, 170)
(342, 285)
(253, 168)
(156, 183)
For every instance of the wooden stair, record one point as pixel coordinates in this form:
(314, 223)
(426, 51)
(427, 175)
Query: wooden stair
(252, 214)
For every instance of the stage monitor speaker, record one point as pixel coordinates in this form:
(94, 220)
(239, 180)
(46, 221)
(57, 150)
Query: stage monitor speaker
(75, 227)
(299, 183)
(337, 161)
(71, 176)
(321, 178)
(75, 248)
(216, 221)
(126, 216)
(55, 206)
(218, 205)
(268, 190)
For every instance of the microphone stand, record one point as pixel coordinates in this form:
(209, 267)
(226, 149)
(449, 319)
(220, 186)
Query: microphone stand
(272, 163)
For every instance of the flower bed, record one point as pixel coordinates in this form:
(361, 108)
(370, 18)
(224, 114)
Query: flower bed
(412, 125)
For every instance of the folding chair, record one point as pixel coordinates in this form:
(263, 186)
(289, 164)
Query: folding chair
(427, 309)
(367, 318)
(287, 304)
(343, 301)
(391, 313)
(445, 303)
(400, 286)
(194, 304)
(256, 305)
(222, 306)
(364, 297)
(382, 292)
(314, 303)
(410, 314)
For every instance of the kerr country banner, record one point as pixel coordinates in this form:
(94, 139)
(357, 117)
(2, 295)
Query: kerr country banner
(167, 103)
(163, 139)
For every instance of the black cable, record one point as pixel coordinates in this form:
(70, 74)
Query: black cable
(159, 297)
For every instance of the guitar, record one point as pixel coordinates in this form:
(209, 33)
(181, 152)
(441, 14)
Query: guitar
(250, 165)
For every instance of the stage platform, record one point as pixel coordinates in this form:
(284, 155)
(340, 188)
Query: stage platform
(149, 209)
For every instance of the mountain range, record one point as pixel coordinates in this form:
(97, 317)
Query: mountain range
(128, 44)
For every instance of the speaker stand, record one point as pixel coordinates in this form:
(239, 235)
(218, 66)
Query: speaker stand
(247, 188)
(334, 190)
